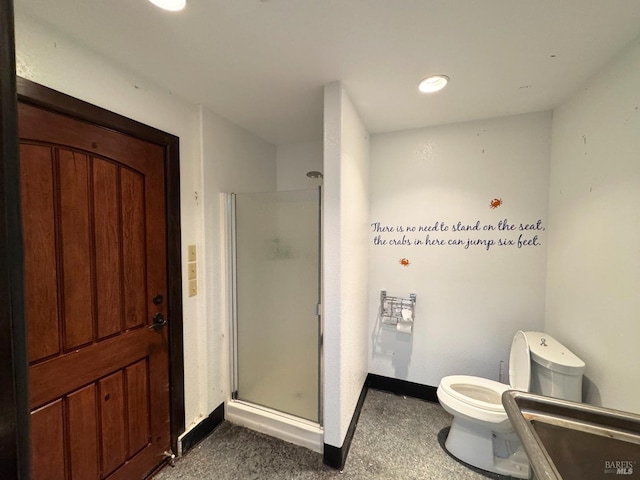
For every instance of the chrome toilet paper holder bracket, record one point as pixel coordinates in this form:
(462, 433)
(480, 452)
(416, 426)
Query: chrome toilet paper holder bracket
(397, 311)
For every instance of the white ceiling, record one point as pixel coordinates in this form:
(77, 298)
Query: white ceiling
(262, 63)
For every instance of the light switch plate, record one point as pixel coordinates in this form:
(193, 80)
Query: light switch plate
(193, 270)
(191, 253)
(193, 288)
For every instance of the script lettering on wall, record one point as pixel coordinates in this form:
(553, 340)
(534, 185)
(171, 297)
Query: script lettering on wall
(460, 234)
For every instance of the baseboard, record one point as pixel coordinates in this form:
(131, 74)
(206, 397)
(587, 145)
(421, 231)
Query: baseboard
(204, 428)
(335, 457)
(402, 387)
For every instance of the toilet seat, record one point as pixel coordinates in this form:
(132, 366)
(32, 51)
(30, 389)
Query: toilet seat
(476, 392)
(520, 363)
(474, 398)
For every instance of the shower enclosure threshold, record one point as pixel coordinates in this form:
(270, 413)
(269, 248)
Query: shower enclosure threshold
(276, 424)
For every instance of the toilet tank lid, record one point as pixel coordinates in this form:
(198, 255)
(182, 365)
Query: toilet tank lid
(550, 353)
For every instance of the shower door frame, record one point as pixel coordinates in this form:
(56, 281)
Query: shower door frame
(233, 328)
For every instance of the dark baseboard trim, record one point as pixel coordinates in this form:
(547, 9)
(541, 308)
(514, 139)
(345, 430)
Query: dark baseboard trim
(402, 387)
(335, 457)
(203, 429)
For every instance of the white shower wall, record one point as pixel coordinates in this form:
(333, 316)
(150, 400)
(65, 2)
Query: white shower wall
(293, 163)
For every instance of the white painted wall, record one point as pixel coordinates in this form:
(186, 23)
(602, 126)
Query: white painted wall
(344, 299)
(294, 161)
(234, 161)
(470, 301)
(593, 305)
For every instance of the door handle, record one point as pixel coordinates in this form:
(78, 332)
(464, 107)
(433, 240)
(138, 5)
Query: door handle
(158, 321)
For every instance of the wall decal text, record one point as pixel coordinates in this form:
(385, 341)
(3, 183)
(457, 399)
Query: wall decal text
(461, 234)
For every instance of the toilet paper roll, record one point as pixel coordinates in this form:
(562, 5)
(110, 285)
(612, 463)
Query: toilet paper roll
(404, 327)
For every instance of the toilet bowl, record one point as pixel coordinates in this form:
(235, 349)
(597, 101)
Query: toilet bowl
(475, 398)
(481, 433)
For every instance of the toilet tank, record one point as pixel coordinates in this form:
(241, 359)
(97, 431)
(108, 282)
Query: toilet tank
(555, 370)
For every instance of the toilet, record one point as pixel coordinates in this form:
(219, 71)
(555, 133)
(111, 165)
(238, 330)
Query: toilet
(481, 434)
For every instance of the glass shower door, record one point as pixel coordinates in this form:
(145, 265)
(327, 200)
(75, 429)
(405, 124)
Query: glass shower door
(277, 290)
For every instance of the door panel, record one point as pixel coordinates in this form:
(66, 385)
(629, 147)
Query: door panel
(137, 385)
(95, 256)
(47, 442)
(41, 298)
(133, 246)
(75, 249)
(112, 421)
(108, 270)
(83, 446)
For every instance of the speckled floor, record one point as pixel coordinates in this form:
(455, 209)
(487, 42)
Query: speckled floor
(396, 438)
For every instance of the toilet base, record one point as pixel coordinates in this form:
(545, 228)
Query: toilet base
(476, 445)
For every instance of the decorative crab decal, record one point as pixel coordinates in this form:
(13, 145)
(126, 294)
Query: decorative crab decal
(495, 203)
(404, 262)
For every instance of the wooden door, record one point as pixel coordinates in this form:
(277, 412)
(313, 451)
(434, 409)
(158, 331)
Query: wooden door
(93, 214)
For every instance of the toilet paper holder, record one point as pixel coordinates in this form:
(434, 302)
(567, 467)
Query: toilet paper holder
(398, 311)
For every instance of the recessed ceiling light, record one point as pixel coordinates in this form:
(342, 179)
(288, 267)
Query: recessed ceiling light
(433, 83)
(171, 5)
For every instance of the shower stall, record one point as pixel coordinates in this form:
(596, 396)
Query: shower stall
(276, 325)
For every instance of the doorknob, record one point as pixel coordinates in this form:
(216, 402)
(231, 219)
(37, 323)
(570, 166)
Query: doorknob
(158, 321)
